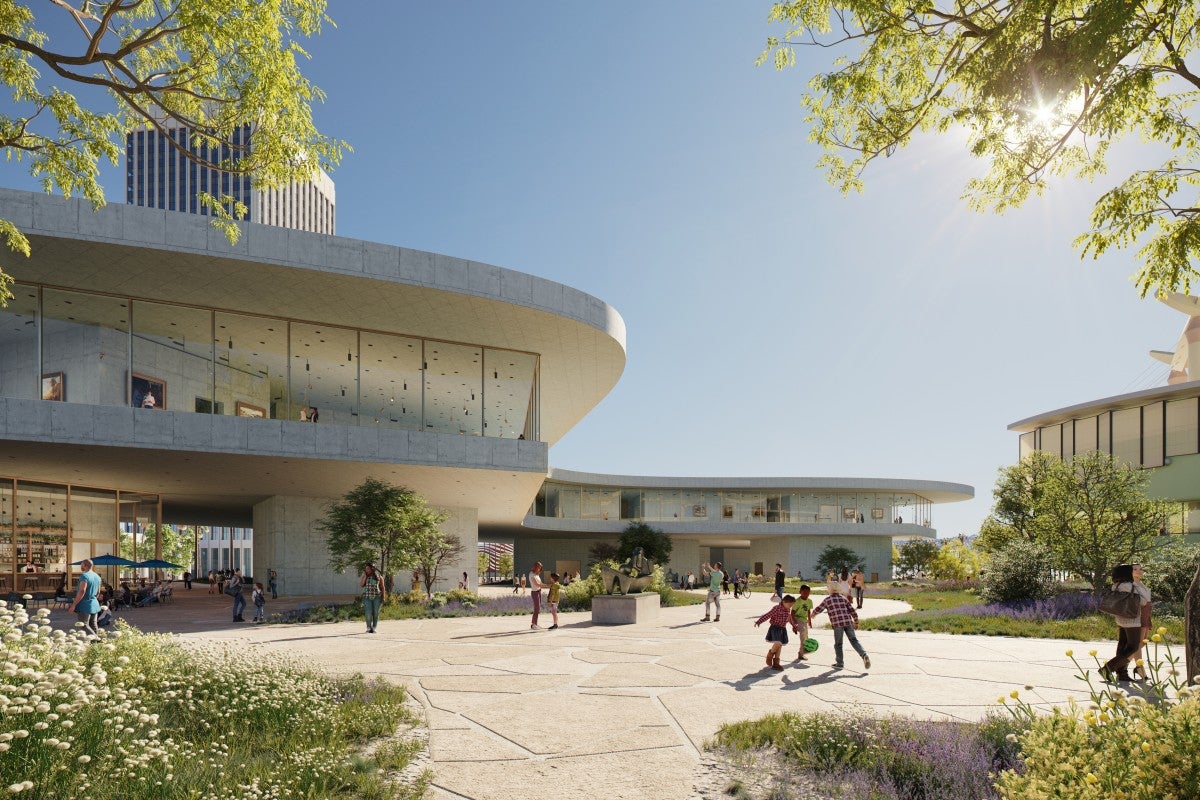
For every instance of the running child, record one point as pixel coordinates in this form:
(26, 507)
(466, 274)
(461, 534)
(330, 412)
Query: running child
(780, 617)
(802, 618)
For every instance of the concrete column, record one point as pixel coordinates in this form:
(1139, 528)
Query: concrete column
(288, 539)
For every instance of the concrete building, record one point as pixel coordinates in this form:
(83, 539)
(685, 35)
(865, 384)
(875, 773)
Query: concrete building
(151, 373)
(158, 175)
(745, 523)
(1156, 429)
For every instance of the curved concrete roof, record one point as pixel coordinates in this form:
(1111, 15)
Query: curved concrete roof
(176, 257)
(934, 491)
(1116, 401)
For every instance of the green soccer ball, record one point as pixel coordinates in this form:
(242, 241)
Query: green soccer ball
(811, 645)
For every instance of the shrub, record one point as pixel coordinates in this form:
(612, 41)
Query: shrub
(1021, 570)
(1171, 571)
(578, 596)
(1115, 746)
(137, 716)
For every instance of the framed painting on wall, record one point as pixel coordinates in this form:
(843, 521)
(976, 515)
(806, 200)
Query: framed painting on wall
(247, 410)
(54, 386)
(147, 392)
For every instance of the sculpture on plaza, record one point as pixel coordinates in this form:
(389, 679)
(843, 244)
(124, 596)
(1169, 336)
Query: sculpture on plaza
(633, 575)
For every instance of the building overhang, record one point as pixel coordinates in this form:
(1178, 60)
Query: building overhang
(1118, 401)
(182, 258)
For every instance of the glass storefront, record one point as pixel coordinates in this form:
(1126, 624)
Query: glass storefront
(46, 527)
(81, 347)
(572, 501)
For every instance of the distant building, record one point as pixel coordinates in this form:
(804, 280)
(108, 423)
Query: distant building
(157, 175)
(1153, 429)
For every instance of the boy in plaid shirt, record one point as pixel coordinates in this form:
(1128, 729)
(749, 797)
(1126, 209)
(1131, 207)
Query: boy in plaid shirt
(843, 619)
(781, 617)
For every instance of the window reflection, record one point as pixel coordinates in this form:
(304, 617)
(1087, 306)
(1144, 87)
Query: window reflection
(251, 366)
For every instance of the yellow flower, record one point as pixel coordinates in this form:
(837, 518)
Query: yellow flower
(1145, 747)
(1090, 778)
(1070, 653)
(1156, 638)
(1001, 699)
(1092, 653)
(1014, 694)
(1161, 631)
(1140, 662)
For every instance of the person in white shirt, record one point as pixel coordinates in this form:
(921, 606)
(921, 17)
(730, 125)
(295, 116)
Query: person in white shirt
(535, 590)
(1132, 631)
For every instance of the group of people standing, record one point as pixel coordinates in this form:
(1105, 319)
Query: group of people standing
(850, 584)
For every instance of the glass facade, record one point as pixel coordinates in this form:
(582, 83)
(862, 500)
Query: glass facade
(1142, 436)
(573, 501)
(100, 349)
(46, 527)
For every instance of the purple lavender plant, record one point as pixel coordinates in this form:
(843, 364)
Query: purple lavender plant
(1069, 605)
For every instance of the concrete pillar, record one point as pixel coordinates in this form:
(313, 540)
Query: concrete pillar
(288, 539)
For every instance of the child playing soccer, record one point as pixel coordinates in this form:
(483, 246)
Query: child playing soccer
(843, 619)
(259, 598)
(802, 618)
(780, 617)
(552, 598)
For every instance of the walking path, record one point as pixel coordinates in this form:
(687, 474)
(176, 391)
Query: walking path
(624, 711)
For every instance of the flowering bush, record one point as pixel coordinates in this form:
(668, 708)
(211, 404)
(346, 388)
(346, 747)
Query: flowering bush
(1068, 605)
(1143, 745)
(138, 716)
(856, 756)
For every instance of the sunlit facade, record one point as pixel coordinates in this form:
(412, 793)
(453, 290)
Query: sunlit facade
(1155, 429)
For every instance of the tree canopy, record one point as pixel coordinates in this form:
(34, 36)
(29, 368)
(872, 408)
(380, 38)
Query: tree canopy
(1041, 87)
(212, 66)
(836, 557)
(390, 526)
(655, 544)
(916, 556)
(1091, 513)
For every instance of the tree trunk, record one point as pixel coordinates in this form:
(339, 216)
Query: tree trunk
(1191, 627)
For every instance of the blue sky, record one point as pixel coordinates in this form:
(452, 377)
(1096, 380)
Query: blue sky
(776, 327)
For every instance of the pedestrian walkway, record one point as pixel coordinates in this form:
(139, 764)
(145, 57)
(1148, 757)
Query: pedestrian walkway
(625, 711)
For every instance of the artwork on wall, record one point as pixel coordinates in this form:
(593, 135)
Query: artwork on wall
(876, 513)
(54, 386)
(758, 511)
(247, 410)
(699, 510)
(727, 511)
(147, 392)
(850, 514)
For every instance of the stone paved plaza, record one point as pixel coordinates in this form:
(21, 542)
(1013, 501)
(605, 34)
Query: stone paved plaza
(624, 711)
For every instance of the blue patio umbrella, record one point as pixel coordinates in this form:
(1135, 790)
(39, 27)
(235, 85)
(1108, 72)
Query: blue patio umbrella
(158, 563)
(108, 561)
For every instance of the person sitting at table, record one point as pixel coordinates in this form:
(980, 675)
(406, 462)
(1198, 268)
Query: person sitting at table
(29, 567)
(125, 598)
(60, 591)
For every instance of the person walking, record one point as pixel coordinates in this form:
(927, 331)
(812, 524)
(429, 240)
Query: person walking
(715, 576)
(844, 620)
(272, 583)
(780, 617)
(780, 576)
(843, 585)
(187, 581)
(373, 595)
(1128, 578)
(87, 604)
(857, 584)
(535, 591)
(212, 581)
(259, 599)
(552, 599)
(234, 589)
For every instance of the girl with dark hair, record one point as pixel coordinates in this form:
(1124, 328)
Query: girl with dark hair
(1128, 578)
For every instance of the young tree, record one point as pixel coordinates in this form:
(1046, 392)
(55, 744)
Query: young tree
(955, 560)
(178, 547)
(655, 544)
(482, 561)
(430, 550)
(836, 557)
(916, 555)
(209, 67)
(1090, 513)
(378, 522)
(1040, 89)
(504, 565)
